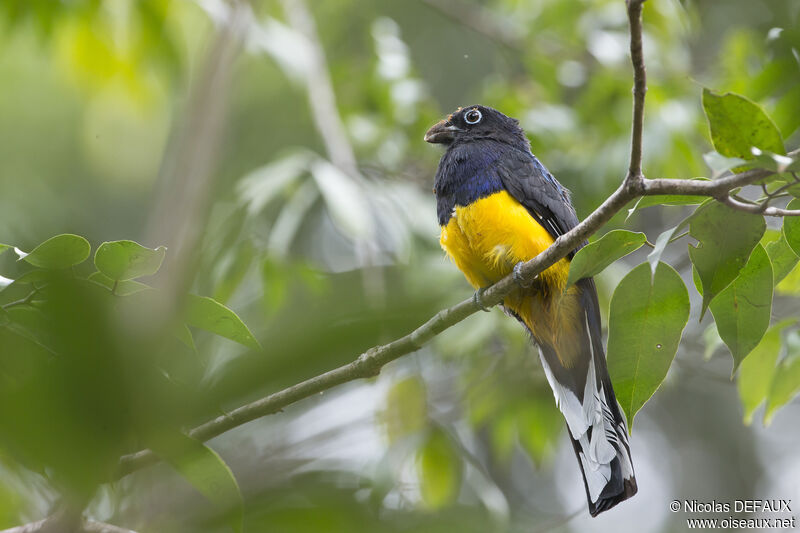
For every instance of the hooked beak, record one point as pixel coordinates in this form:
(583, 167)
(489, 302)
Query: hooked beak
(441, 133)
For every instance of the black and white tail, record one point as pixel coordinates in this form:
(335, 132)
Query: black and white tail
(586, 398)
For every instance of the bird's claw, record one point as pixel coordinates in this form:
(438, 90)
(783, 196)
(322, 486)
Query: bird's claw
(478, 299)
(519, 278)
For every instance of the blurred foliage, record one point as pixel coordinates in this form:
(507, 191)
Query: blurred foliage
(322, 262)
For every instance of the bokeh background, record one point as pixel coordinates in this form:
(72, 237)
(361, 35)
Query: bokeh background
(305, 124)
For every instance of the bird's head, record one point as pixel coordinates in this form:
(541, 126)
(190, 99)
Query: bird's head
(476, 122)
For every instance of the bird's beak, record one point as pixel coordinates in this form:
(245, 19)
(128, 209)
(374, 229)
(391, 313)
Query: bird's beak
(441, 133)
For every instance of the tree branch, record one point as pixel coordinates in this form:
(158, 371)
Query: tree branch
(369, 363)
(718, 188)
(639, 88)
(758, 209)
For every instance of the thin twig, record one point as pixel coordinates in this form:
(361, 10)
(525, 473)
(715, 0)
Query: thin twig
(758, 209)
(777, 192)
(23, 301)
(639, 88)
(743, 200)
(715, 188)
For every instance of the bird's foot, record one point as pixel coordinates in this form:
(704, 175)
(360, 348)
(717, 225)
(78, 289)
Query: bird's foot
(519, 278)
(478, 299)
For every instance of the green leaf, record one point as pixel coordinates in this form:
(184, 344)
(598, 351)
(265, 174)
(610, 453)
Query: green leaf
(346, 201)
(648, 314)
(35, 276)
(31, 323)
(207, 472)
(276, 282)
(596, 256)
(743, 309)
(539, 425)
(755, 372)
(265, 184)
(654, 257)
(123, 288)
(236, 266)
(786, 378)
(61, 251)
(503, 436)
(4, 247)
(770, 161)
(782, 257)
(794, 190)
(406, 412)
(124, 260)
(210, 315)
(439, 470)
(791, 283)
(719, 164)
(669, 236)
(727, 237)
(184, 334)
(791, 228)
(737, 125)
(712, 341)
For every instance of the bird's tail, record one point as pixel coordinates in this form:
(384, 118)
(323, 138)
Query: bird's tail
(584, 395)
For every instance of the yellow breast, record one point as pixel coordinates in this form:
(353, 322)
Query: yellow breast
(491, 235)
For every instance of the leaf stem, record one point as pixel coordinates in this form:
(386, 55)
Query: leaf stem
(675, 238)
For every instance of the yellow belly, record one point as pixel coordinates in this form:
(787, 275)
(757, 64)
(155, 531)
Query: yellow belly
(487, 238)
(491, 235)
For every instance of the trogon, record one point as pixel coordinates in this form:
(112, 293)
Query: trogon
(498, 206)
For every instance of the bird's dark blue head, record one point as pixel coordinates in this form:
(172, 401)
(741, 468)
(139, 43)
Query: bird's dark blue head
(477, 139)
(477, 122)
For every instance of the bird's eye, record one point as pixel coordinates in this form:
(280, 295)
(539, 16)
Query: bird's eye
(473, 116)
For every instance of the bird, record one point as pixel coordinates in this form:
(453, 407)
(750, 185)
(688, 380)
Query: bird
(498, 207)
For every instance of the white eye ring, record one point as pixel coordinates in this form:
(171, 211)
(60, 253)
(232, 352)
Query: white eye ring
(472, 112)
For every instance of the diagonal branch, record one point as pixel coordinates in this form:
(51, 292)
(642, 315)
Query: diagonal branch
(369, 363)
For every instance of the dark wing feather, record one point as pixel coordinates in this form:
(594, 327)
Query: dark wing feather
(529, 182)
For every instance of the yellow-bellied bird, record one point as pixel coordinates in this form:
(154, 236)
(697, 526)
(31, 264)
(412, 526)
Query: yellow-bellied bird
(498, 206)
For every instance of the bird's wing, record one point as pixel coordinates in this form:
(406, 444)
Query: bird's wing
(529, 182)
